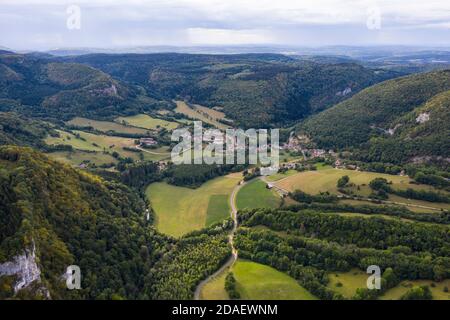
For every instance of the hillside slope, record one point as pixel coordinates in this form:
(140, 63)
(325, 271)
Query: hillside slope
(42, 87)
(255, 90)
(393, 121)
(53, 216)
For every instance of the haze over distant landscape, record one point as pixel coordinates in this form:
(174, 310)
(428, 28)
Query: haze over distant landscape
(44, 25)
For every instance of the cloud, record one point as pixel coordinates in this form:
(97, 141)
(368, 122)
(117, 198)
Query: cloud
(185, 22)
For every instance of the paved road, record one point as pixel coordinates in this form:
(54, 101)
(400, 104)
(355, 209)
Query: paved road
(234, 254)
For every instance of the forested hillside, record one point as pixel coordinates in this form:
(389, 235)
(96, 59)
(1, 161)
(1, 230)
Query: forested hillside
(19, 130)
(71, 217)
(41, 87)
(393, 121)
(254, 90)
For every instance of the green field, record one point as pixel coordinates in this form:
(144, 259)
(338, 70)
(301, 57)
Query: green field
(78, 157)
(346, 283)
(218, 208)
(147, 122)
(256, 281)
(199, 114)
(215, 289)
(181, 210)
(255, 195)
(106, 126)
(94, 142)
(437, 290)
(313, 182)
(279, 176)
(355, 279)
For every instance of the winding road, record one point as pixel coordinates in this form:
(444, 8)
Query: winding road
(234, 254)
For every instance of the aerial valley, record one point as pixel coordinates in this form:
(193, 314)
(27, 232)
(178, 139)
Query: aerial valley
(86, 177)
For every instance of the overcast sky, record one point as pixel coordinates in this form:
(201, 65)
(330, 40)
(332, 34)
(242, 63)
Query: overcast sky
(43, 24)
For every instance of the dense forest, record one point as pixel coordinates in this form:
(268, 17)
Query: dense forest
(73, 217)
(411, 111)
(254, 90)
(307, 244)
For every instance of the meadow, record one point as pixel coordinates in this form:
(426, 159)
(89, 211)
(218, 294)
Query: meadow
(279, 176)
(255, 195)
(106, 126)
(437, 289)
(346, 284)
(180, 210)
(256, 281)
(94, 142)
(147, 122)
(215, 289)
(314, 182)
(77, 157)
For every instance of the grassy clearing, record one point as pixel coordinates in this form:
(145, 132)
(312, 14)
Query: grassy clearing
(437, 290)
(286, 156)
(147, 122)
(211, 113)
(78, 157)
(255, 195)
(279, 176)
(363, 202)
(346, 283)
(66, 138)
(181, 210)
(198, 114)
(106, 126)
(325, 179)
(215, 289)
(256, 281)
(94, 142)
(355, 279)
(218, 208)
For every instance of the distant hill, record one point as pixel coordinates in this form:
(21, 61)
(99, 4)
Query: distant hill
(39, 86)
(394, 121)
(255, 90)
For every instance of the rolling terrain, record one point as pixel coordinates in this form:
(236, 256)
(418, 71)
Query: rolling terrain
(411, 112)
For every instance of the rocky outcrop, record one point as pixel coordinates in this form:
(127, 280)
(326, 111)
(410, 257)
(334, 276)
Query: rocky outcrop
(24, 267)
(423, 117)
(344, 92)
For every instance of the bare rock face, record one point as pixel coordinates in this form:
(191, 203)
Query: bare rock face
(24, 267)
(423, 117)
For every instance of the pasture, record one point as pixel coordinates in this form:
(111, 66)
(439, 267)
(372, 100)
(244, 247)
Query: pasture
(180, 210)
(314, 182)
(256, 281)
(215, 289)
(147, 122)
(346, 283)
(437, 289)
(255, 195)
(199, 114)
(106, 126)
(93, 142)
(77, 157)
